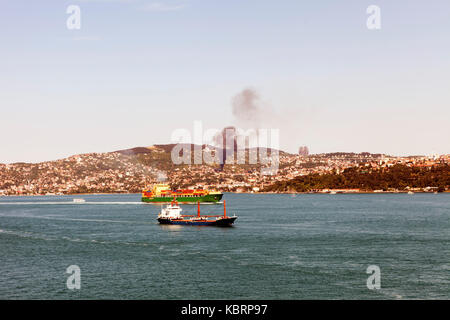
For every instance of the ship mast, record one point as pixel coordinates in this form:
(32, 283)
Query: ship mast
(224, 209)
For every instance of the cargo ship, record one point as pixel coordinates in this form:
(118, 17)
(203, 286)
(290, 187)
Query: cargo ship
(163, 193)
(171, 214)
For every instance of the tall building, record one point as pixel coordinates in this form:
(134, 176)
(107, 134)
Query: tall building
(303, 151)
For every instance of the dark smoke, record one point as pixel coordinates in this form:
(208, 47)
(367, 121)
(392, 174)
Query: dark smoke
(246, 107)
(247, 110)
(227, 140)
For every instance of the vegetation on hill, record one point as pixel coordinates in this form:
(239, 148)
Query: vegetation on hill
(398, 177)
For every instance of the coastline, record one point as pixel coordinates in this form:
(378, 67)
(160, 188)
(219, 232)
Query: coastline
(255, 193)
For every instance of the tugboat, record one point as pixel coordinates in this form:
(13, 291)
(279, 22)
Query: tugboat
(171, 214)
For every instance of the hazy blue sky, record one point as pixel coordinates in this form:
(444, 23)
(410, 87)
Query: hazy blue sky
(137, 70)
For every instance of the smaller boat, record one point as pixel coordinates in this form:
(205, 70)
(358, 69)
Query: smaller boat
(410, 192)
(171, 214)
(78, 200)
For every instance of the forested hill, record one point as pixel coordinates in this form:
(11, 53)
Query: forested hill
(397, 177)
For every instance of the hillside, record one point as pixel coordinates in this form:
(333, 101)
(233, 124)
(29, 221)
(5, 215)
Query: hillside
(128, 170)
(131, 170)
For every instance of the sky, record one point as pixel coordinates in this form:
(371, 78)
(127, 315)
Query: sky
(137, 70)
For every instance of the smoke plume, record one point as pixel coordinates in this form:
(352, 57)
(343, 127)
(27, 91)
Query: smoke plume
(246, 108)
(250, 115)
(227, 141)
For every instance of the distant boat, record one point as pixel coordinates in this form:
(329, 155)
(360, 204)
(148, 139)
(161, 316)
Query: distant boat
(410, 192)
(79, 200)
(333, 192)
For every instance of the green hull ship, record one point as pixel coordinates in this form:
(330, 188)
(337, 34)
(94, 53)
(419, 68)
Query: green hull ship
(161, 193)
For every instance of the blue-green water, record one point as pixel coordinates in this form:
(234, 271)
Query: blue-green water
(282, 247)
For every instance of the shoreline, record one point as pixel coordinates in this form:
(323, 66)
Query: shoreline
(255, 193)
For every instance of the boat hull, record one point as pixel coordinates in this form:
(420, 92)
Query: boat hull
(224, 222)
(185, 199)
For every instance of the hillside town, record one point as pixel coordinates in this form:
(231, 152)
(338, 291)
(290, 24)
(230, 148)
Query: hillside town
(132, 170)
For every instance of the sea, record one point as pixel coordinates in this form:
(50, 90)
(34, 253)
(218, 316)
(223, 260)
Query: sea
(282, 246)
